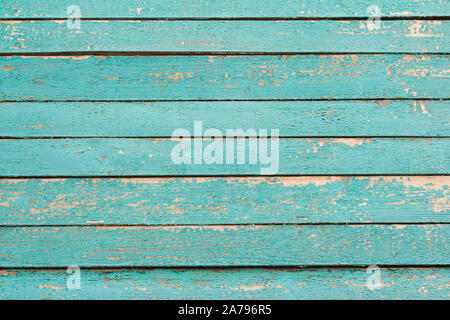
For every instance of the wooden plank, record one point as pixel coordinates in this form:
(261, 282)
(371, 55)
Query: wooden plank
(162, 156)
(256, 245)
(407, 36)
(160, 119)
(178, 201)
(396, 283)
(224, 77)
(220, 8)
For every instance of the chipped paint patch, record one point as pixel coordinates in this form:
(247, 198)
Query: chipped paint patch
(382, 103)
(302, 181)
(11, 22)
(352, 141)
(420, 29)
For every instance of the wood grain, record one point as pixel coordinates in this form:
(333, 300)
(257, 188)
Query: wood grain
(410, 36)
(153, 157)
(292, 118)
(87, 178)
(224, 77)
(397, 283)
(203, 201)
(221, 8)
(256, 245)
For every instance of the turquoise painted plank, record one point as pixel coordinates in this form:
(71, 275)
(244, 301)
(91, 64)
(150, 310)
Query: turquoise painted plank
(219, 245)
(160, 119)
(226, 36)
(220, 8)
(224, 77)
(249, 200)
(396, 283)
(161, 156)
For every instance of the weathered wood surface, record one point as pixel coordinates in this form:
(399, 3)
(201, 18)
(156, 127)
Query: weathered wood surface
(221, 8)
(224, 77)
(249, 200)
(125, 94)
(396, 283)
(154, 157)
(407, 36)
(292, 118)
(221, 245)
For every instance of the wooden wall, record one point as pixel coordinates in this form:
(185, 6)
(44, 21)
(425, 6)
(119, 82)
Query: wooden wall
(86, 177)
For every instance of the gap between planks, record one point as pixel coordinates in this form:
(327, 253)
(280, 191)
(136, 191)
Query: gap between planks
(212, 53)
(221, 137)
(230, 100)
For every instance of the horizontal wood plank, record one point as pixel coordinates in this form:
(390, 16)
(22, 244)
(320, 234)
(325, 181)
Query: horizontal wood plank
(256, 245)
(376, 103)
(162, 156)
(220, 8)
(410, 36)
(160, 119)
(197, 201)
(396, 283)
(224, 77)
